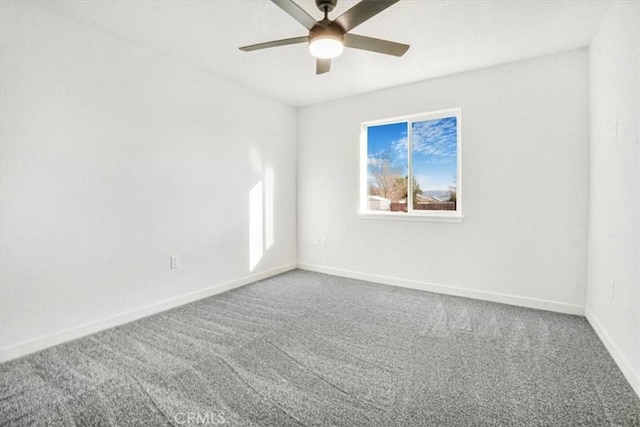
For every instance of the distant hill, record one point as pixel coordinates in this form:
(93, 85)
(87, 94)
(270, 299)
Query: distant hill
(442, 195)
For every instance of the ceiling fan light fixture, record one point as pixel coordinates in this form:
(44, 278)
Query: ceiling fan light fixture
(327, 38)
(326, 46)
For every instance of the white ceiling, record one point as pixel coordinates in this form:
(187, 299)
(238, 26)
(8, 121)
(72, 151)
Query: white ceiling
(446, 37)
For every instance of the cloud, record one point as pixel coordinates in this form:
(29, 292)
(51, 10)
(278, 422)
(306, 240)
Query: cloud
(433, 142)
(394, 152)
(436, 139)
(399, 147)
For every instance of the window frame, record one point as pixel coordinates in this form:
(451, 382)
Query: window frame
(411, 214)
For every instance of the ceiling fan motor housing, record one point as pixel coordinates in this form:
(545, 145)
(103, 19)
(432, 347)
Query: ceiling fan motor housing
(326, 28)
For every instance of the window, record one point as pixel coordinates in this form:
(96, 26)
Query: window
(410, 166)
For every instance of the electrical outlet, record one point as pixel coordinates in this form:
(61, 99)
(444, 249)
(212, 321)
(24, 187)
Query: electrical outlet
(323, 241)
(614, 128)
(175, 261)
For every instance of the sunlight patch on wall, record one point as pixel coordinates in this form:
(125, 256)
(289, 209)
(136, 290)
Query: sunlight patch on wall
(261, 218)
(268, 207)
(256, 228)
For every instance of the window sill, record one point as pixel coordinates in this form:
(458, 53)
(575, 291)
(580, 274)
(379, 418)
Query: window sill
(403, 216)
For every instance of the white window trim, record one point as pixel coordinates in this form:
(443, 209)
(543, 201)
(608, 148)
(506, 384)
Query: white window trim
(412, 215)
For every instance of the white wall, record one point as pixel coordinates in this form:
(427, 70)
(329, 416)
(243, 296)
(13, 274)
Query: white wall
(525, 175)
(114, 158)
(614, 197)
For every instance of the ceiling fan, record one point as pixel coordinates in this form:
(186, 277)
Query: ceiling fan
(328, 38)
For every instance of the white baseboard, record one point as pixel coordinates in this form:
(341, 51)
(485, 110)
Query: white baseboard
(623, 363)
(40, 343)
(541, 304)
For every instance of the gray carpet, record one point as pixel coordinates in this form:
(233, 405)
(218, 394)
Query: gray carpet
(310, 349)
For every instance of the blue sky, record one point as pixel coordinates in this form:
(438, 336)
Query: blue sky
(434, 149)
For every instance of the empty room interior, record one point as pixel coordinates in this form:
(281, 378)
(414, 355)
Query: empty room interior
(310, 212)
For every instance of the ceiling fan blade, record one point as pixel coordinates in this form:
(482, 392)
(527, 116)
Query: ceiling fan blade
(362, 12)
(296, 12)
(323, 65)
(275, 43)
(375, 45)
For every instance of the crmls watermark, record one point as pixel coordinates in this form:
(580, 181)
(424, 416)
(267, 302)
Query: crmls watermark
(211, 418)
